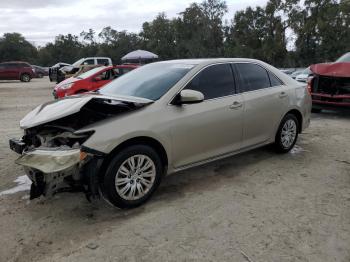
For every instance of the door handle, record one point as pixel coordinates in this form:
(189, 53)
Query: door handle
(283, 94)
(236, 105)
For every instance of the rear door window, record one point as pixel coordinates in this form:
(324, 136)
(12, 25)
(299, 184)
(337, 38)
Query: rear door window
(214, 81)
(252, 77)
(102, 61)
(13, 65)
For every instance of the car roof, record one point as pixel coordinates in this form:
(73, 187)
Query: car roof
(200, 61)
(14, 62)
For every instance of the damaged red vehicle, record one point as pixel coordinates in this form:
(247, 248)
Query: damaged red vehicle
(330, 84)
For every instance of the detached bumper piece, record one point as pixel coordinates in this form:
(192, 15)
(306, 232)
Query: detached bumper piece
(51, 170)
(50, 161)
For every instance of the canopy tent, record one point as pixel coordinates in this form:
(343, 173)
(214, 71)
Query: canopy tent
(139, 56)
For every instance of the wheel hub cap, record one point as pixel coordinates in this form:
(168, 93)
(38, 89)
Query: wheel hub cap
(135, 177)
(288, 133)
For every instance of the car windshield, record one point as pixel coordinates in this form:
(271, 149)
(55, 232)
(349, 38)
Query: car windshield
(306, 71)
(150, 81)
(90, 72)
(78, 63)
(344, 58)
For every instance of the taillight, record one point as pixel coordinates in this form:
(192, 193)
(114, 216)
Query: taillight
(309, 84)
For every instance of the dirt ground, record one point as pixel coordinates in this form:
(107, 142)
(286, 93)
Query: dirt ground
(258, 206)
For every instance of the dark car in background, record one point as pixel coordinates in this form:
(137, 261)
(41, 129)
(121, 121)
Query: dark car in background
(16, 70)
(53, 70)
(330, 84)
(39, 71)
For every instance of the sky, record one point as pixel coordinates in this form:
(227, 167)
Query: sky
(41, 20)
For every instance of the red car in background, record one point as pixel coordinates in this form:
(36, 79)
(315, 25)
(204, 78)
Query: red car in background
(16, 70)
(330, 84)
(91, 80)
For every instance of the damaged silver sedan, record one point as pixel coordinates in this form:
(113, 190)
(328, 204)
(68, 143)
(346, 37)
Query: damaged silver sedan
(161, 118)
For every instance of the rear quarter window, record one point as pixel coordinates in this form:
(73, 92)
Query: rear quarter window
(274, 80)
(102, 61)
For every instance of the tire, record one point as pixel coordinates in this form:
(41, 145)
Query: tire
(119, 171)
(316, 110)
(287, 134)
(25, 78)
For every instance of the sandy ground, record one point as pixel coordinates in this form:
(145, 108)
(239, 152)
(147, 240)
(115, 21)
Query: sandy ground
(258, 206)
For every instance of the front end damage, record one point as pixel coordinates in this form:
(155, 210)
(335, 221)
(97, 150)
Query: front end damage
(330, 85)
(53, 153)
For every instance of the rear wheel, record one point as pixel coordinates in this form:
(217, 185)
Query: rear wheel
(132, 176)
(25, 78)
(287, 134)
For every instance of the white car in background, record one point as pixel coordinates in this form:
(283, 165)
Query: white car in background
(303, 76)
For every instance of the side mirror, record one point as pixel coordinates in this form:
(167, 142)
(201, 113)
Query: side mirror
(189, 96)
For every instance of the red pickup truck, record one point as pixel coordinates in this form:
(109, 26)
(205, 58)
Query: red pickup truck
(91, 80)
(16, 70)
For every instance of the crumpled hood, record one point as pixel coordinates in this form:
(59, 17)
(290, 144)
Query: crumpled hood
(332, 69)
(57, 109)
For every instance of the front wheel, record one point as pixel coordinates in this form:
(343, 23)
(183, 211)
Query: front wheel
(25, 78)
(132, 176)
(287, 134)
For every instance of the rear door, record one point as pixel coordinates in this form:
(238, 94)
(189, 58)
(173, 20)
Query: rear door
(2, 70)
(265, 99)
(11, 71)
(210, 128)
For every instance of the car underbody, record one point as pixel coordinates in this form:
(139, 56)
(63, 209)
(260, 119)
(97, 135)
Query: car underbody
(53, 155)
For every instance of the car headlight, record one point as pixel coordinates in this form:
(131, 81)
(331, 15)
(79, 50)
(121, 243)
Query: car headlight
(66, 86)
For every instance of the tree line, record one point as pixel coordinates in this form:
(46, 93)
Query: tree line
(285, 33)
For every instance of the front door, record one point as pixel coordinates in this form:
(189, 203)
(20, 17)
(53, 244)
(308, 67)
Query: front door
(210, 128)
(102, 79)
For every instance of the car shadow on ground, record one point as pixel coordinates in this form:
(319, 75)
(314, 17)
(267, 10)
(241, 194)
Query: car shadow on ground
(332, 114)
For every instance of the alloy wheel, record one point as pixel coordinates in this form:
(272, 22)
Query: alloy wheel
(135, 177)
(289, 132)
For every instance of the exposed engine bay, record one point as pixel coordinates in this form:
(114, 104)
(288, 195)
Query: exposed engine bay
(51, 151)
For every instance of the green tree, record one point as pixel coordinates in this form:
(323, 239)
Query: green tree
(117, 44)
(66, 48)
(259, 33)
(158, 36)
(13, 46)
(322, 30)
